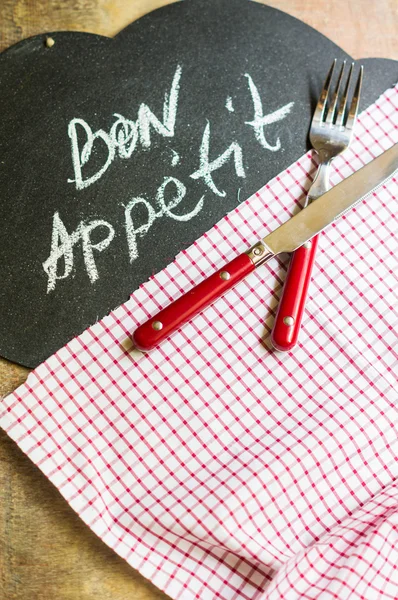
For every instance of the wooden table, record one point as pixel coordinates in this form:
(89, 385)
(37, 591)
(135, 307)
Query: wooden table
(46, 552)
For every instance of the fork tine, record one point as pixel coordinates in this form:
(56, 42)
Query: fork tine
(343, 103)
(352, 114)
(323, 98)
(332, 110)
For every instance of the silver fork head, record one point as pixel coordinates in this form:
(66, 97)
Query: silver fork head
(332, 125)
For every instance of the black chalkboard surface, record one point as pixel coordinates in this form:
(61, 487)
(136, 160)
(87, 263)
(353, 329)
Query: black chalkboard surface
(118, 153)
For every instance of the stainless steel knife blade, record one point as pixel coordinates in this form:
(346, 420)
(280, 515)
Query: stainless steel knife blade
(333, 204)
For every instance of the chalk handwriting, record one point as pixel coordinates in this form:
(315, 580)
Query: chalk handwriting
(260, 120)
(132, 231)
(62, 244)
(124, 138)
(228, 104)
(206, 167)
(125, 135)
(176, 158)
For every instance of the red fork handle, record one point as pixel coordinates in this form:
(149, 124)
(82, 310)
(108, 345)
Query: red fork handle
(292, 304)
(168, 320)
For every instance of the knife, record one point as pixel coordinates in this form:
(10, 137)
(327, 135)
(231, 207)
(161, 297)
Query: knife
(287, 238)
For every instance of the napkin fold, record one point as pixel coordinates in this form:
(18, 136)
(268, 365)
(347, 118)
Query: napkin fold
(215, 466)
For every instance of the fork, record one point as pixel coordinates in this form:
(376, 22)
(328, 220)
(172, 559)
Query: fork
(331, 133)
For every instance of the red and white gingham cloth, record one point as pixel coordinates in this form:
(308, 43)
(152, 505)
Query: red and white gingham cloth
(221, 469)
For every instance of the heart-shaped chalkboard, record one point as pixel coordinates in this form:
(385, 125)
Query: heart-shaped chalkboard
(118, 153)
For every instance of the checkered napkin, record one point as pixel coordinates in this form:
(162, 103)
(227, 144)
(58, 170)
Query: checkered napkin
(215, 466)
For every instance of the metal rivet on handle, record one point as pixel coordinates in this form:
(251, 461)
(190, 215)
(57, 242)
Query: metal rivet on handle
(289, 321)
(257, 251)
(307, 245)
(157, 325)
(225, 275)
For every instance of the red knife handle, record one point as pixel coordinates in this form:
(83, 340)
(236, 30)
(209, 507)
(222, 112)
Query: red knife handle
(168, 320)
(291, 305)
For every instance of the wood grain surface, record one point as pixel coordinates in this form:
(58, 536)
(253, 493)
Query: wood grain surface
(46, 552)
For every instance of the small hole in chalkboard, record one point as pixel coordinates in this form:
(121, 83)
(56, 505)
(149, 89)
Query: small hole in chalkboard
(49, 42)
